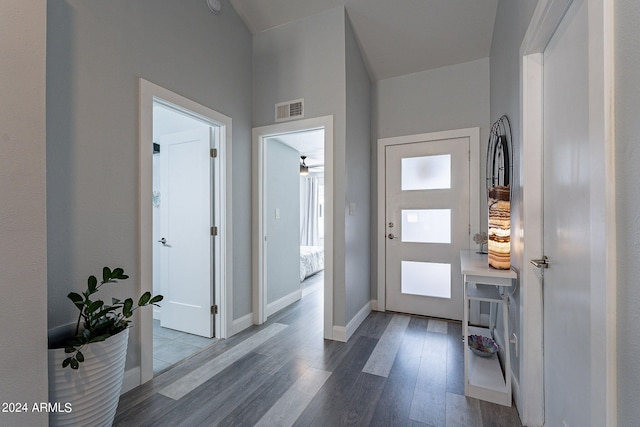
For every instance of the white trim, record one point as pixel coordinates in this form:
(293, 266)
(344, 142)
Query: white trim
(530, 401)
(259, 134)
(339, 333)
(474, 190)
(150, 93)
(241, 324)
(283, 302)
(130, 380)
(357, 320)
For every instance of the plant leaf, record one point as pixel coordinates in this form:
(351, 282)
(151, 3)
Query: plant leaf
(92, 284)
(66, 362)
(74, 363)
(95, 306)
(144, 299)
(76, 299)
(69, 349)
(126, 309)
(117, 273)
(106, 274)
(80, 356)
(156, 299)
(99, 338)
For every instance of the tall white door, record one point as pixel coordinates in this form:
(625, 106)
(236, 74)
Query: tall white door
(427, 224)
(186, 244)
(566, 236)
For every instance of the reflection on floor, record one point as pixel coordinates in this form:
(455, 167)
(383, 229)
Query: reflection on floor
(171, 346)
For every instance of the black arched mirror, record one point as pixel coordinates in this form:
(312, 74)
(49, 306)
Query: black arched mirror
(499, 160)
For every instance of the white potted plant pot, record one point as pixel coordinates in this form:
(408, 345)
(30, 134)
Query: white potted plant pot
(88, 396)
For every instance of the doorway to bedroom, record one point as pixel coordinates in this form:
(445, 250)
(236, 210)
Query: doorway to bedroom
(292, 186)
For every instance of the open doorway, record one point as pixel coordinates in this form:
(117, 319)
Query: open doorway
(183, 249)
(184, 152)
(293, 225)
(294, 220)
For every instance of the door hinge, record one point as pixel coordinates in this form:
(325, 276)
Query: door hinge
(214, 152)
(214, 231)
(214, 309)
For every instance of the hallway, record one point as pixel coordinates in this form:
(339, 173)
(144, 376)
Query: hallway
(396, 370)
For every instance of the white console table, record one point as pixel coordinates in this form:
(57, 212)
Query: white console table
(483, 377)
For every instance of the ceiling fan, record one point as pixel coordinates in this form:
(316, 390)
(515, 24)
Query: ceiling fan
(304, 168)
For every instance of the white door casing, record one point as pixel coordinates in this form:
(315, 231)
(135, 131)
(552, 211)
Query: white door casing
(259, 291)
(427, 217)
(471, 138)
(223, 244)
(187, 244)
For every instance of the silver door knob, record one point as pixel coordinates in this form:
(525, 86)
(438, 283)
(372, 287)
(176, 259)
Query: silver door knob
(163, 241)
(391, 236)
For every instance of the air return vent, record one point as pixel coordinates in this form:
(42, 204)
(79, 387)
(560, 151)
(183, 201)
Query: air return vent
(290, 110)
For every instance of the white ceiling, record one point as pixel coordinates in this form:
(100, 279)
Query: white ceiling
(308, 143)
(397, 37)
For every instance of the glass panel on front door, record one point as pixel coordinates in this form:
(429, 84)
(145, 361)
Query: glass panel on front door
(426, 225)
(426, 172)
(427, 279)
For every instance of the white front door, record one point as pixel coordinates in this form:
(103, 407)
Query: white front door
(427, 224)
(566, 222)
(186, 218)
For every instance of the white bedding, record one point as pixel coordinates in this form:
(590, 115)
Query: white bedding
(311, 260)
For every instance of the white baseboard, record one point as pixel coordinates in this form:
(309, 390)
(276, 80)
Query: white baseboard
(339, 333)
(241, 324)
(374, 305)
(278, 305)
(156, 313)
(131, 380)
(358, 319)
(342, 333)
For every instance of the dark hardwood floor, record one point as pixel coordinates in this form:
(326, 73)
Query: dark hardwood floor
(396, 370)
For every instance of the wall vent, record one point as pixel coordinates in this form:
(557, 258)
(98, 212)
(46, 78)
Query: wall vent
(290, 110)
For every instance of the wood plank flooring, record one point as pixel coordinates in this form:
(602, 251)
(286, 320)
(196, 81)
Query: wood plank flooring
(396, 370)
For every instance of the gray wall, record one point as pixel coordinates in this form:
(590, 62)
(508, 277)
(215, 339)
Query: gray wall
(96, 52)
(306, 59)
(23, 256)
(453, 97)
(283, 234)
(358, 174)
(627, 125)
(512, 20)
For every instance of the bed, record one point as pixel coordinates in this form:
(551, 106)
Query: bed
(311, 260)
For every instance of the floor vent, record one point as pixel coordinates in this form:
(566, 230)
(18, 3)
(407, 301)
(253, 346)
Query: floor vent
(290, 110)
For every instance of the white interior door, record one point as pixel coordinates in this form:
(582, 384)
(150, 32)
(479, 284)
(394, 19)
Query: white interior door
(567, 229)
(427, 224)
(186, 218)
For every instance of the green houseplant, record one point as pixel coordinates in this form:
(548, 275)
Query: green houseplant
(87, 360)
(100, 321)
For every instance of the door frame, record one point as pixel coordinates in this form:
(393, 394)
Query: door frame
(223, 291)
(474, 191)
(545, 20)
(258, 229)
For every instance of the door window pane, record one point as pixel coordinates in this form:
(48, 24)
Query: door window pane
(426, 225)
(426, 173)
(427, 279)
